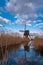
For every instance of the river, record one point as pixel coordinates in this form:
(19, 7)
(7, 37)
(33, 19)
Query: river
(22, 55)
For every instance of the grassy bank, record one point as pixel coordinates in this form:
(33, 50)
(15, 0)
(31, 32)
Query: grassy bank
(37, 43)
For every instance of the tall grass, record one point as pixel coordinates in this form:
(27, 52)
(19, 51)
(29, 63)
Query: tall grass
(7, 42)
(37, 43)
(12, 40)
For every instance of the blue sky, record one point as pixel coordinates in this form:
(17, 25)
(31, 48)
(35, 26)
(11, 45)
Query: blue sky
(15, 13)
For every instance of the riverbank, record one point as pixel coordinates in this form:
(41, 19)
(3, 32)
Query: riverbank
(37, 42)
(8, 42)
(38, 45)
(6, 39)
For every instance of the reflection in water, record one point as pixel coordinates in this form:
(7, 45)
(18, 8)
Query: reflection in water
(26, 47)
(22, 55)
(40, 51)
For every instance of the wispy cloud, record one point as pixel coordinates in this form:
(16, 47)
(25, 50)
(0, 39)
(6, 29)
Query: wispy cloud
(37, 25)
(25, 8)
(34, 21)
(41, 26)
(37, 21)
(29, 21)
(10, 29)
(18, 21)
(4, 20)
(29, 24)
(23, 11)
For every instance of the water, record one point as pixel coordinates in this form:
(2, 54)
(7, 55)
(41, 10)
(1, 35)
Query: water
(23, 55)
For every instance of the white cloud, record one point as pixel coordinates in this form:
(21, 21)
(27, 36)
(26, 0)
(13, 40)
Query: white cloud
(30, 4)
(25, 8)
(25, 17)
(29, 21)
(9, 29)
(34, 21)
(28, 24)
(4, 20)
(39, 24)
(18, 21)
(22, 19)
(37, 21)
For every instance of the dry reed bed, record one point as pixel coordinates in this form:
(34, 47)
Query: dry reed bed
(10, 42)
(37, 43)
(6, 39)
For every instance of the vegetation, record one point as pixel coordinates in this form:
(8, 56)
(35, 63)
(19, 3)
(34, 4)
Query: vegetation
(12, 40)
(37, 43)
(9, 42)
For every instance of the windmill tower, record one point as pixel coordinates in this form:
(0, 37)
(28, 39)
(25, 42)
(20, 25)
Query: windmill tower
(26, 32)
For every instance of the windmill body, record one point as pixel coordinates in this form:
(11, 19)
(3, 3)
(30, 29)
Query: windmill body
(26, 32)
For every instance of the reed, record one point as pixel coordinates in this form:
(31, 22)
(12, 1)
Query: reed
(12, 40)
(8, 42)
(37, 43)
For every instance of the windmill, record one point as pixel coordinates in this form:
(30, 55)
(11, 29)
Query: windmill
(26, 32)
